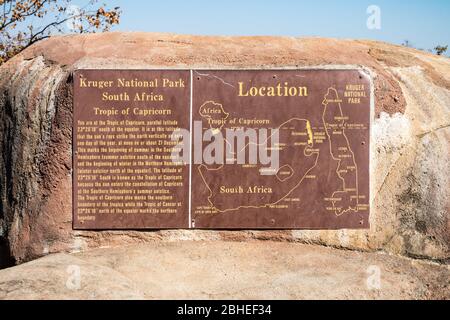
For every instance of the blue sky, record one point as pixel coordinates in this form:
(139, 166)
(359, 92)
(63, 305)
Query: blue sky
(424, 23)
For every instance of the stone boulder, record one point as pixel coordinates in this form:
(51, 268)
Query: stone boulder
(224, 270)
(410, 135)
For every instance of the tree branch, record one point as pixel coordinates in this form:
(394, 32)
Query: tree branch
(22, 16)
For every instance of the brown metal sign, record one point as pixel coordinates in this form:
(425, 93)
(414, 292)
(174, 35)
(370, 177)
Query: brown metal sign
(322, 181)
(258, 149)
(123, 175)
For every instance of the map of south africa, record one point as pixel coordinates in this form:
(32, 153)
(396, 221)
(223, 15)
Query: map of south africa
(296, 144)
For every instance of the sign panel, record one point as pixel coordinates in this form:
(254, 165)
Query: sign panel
(321, 180)
(123, 175)
(225, 149)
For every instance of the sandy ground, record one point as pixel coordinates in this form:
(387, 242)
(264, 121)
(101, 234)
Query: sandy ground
(225, 270)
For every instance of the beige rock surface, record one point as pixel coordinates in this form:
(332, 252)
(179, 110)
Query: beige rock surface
(410, 138)
(225, 270)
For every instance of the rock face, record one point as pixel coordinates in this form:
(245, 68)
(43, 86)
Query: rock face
(225, 270)
(410, 154)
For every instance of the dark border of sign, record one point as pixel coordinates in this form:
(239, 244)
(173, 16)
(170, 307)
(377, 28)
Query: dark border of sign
(332, 67)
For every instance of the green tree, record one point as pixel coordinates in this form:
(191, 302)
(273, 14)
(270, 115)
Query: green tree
(23, 23)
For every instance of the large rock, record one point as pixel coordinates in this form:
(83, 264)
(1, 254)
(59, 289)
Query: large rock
(410, 154)
(225, 270)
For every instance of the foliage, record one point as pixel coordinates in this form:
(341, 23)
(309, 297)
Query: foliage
(23, 23)
(440, 49)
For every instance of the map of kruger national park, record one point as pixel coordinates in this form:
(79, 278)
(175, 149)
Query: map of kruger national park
(315, 127)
